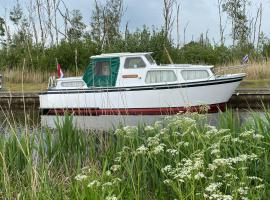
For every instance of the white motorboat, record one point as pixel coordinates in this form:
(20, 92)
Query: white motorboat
(133, 84)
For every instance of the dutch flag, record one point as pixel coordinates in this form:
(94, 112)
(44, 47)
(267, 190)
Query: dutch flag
(245, 59)
(59, 71)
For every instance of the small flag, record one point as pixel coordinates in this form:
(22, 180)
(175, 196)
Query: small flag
(59, 71)
(245, 59)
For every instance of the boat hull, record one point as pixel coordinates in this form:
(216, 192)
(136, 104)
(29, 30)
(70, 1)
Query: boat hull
(204, 96)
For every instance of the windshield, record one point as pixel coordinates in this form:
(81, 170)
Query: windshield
(150, 59)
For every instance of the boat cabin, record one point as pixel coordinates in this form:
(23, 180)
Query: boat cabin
(134, 69)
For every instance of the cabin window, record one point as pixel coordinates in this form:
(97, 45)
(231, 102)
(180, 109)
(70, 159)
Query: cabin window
(134, 62)
(150, 59)
(102, 68)
(160, 76)
(189, 75)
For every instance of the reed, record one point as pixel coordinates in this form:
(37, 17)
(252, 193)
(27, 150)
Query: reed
(181, 157)
(17, 75)
(254, 70)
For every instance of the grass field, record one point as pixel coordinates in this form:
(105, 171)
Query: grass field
(181, 157)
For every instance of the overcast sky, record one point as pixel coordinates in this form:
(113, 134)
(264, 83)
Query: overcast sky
(201, 15)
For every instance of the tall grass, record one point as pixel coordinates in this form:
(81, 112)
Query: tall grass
(181, 157)
(254, 70)
(30, 76)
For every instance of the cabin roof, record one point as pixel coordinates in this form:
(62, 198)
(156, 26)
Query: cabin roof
(110, 55)
(185, 66)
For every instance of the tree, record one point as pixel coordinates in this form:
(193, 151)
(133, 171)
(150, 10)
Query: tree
(236, 10)
(16, 14)
(75, 32)
(105, 23)
(168, 18)
(221, 26)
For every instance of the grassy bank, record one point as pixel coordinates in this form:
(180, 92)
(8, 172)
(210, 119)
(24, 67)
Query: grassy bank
(181, 157)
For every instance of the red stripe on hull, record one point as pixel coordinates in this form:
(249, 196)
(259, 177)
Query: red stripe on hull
(137, 111)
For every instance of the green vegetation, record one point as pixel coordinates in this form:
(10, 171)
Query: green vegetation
(46, 32)
(181, 157)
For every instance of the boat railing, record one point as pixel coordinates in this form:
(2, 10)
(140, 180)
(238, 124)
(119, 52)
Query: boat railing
(52, 82)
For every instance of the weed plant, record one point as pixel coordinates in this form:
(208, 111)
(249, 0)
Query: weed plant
(181, 157)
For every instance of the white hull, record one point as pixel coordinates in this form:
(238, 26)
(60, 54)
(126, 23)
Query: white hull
(170, 96)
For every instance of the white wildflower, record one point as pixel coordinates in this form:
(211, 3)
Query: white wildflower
(215, 152)
(119, 132)
(258, 136)
(163, 131)
(167, 181)
(173, 152)
(259, 186)
(149, 128)
(115, 168)
(221, 197)
(243, 191)
(142, 150)
(212, 167)
(106, 185)
(108, 173)
(213, 187)
(186, 144)
(179, 144)
(158, 149)
(153, 141)
(221, 162)
(81, 177)
(94, 183)
(199, 176)
(130, 130)
(116, 180)
(212, 130)
(223, 131)
(247, 133)
(158, 124)
(226, 138)
(255, 178)
(166, 169)
(117, 159)
(113, 197)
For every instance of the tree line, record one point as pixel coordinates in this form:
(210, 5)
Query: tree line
(44, 31)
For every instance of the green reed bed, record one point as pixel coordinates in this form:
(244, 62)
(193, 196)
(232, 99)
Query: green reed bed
(181, 157)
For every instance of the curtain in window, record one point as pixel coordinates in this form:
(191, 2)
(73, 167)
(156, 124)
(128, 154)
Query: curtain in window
(194, 74)
(160, 76)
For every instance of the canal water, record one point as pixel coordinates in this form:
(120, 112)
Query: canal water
(31, 118)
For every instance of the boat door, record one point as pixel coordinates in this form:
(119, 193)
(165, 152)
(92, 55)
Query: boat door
(102, 72)
(133, 72)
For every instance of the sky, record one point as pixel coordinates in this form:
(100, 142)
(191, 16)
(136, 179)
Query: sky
(200, 15)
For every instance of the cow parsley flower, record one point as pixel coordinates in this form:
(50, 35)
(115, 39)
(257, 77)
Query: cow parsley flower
(213, 187)
(112, 197)
(94, 183)
(199, 176)
(142, 149)
(149, 128)
(81, 177)
(158, 149)
(106, 185)
(153, 141)
(173, 152)
(115, 168)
